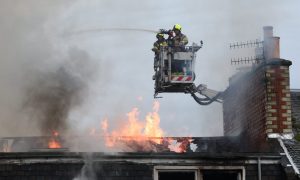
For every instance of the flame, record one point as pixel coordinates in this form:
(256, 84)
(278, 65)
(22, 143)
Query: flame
(104, 125)
(140, 134)
(152, 128)
(180, 145)
(5, 146)
(54, 142)
(134, 129)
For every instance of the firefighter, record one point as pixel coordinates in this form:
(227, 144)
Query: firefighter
(179, 40)
(161, 42)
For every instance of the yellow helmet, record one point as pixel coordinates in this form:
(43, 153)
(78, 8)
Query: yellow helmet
(159, 35)
(177, 27)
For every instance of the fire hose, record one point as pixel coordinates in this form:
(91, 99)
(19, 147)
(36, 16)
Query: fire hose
(209, 94)
(206, 100)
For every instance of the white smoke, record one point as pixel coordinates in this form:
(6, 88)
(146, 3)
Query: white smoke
(88, 171)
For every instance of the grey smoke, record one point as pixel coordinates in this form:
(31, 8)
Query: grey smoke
(42, 79)
(25, 50)
(52, 95)
(32, 50)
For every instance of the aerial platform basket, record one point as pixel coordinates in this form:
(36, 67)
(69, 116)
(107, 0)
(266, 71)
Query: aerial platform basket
(175, 69)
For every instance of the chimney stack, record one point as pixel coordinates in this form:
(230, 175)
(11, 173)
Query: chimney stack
(258, 103)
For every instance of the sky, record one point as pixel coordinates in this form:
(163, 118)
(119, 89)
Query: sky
(89, 76)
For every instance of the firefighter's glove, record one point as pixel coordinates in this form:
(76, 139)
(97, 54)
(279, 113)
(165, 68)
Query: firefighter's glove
(171, 33)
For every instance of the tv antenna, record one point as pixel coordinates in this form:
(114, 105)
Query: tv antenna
(255, 59)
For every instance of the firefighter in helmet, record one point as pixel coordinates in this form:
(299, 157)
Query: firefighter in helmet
(161, 42)
(179, 40)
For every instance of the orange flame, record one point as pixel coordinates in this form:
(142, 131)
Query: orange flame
(142, 134)
(152, 128)
(53, 142)
(134, 129)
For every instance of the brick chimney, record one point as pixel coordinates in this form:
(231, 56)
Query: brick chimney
(257, 102)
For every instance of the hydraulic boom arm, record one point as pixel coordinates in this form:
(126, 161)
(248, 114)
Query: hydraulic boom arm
(209, 95)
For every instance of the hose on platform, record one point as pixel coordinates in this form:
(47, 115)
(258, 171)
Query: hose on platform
(205, 101)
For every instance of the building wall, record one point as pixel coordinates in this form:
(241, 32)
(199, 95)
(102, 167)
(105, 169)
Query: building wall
(257, 102)
(39, 171)
(268, 172)
(244, 104)
(119, 170)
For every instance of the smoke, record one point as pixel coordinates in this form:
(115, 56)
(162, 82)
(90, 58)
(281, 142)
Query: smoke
(51, 96)
(42, 80)
(43, 88)
(88, 171)
(24, 49)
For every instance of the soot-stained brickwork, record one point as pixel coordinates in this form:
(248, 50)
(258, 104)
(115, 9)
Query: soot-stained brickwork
(257, 102)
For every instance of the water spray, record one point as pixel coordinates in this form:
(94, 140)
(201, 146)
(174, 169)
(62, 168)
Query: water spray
(114, 29)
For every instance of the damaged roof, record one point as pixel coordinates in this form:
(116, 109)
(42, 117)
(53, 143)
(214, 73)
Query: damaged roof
(222, 146)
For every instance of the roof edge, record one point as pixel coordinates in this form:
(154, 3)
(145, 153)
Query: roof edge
(289, 156)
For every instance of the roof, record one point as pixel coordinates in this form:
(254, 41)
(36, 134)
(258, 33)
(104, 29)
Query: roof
(293, 148)
(293, 145)
(214, 146)
(295, 98)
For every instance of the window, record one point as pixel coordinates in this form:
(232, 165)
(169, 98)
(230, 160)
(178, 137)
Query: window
(199, 173)
(176, 173)
(221, 174)
(183, 175)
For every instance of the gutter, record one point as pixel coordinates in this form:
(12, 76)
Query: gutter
(289, 157)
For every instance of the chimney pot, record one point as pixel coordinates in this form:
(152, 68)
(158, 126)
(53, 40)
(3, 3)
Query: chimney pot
(271, 44)
(268, 32)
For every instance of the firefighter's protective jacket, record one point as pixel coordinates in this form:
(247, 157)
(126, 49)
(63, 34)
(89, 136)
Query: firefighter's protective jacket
(157, 45)
(180, 40)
